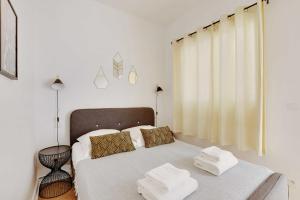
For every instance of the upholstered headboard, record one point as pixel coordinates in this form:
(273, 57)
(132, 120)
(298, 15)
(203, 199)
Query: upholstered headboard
(86, 120)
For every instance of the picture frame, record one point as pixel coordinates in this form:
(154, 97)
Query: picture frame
(8, 40)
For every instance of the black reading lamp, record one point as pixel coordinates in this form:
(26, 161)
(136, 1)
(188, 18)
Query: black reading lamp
(57, 85)
(157, 91)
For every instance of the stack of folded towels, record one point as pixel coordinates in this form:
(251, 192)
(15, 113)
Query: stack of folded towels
(215, 160)
(167, 183)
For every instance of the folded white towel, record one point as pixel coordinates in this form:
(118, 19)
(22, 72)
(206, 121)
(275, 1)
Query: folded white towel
(216, 154)
(167, 176)
(151, 191)
(216, 168)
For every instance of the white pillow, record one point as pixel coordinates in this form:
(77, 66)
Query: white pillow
(137, 136)
(85, 139)
(79, 153)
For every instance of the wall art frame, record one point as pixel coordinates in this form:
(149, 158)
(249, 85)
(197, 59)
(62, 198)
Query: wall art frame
(8, 40)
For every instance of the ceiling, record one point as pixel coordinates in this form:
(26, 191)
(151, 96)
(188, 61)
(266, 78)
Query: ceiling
(158, 11)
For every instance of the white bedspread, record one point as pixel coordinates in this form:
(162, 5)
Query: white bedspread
(114, 177)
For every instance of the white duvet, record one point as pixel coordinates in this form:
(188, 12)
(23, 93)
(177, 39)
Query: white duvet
(114, 177)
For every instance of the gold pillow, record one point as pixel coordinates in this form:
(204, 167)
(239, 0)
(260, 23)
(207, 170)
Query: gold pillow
(157, 136)
(110, 144)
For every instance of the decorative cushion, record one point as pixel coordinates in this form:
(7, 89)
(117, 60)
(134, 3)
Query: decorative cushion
(85, 139)
(110, 144)
(157, 136)
(86, 142)
(136, 135)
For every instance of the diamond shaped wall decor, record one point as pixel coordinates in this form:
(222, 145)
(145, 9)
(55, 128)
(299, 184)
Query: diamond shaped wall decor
(100, 81)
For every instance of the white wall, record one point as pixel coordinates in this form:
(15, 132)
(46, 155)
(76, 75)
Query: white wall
(283, 97)
(74, 38)
(17, 144)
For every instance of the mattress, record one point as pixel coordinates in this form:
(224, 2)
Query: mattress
(114, 177)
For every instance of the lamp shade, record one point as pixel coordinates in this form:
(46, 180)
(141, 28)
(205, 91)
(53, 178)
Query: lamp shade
(159, 89)
(57, 84)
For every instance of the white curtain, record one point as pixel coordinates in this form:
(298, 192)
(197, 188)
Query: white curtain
(218, 82)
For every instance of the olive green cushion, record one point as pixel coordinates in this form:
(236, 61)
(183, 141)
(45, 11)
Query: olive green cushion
(157, 136)
(110, 144)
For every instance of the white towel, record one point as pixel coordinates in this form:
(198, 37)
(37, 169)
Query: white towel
(216, 154)
(216, 168)
(151, 191)
(167, 176)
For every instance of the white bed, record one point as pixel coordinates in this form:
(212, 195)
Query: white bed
(114, 177)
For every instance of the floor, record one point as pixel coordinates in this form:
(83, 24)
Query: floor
(68, 196)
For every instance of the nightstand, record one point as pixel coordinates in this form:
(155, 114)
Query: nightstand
(57, 181)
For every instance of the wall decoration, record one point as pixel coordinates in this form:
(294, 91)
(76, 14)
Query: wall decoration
(118, 66)
(9, 40)
(100, 81)
(132, 76)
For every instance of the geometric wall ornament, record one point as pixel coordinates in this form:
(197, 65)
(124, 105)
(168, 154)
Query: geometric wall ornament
(118, 66)
(100, 81)
(132, 76)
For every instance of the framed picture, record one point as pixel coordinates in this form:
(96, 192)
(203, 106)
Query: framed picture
(9, 40)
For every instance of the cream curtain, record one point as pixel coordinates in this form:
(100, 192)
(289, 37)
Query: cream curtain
(218, 80)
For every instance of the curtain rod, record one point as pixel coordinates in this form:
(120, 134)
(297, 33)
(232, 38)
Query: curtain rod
(246, 8)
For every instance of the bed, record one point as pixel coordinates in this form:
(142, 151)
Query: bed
(114, 177)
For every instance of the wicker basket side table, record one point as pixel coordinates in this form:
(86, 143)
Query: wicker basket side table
(57, 181)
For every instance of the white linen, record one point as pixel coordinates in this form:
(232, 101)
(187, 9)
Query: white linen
(215, 154)
(115, 177)
(137, 136)
(216, 168)
(79, 152)
(151, 191)
(167, 176)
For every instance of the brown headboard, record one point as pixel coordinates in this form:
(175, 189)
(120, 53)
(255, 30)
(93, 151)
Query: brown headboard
(86, 120)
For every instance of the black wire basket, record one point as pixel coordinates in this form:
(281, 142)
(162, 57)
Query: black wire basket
(58, 181)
